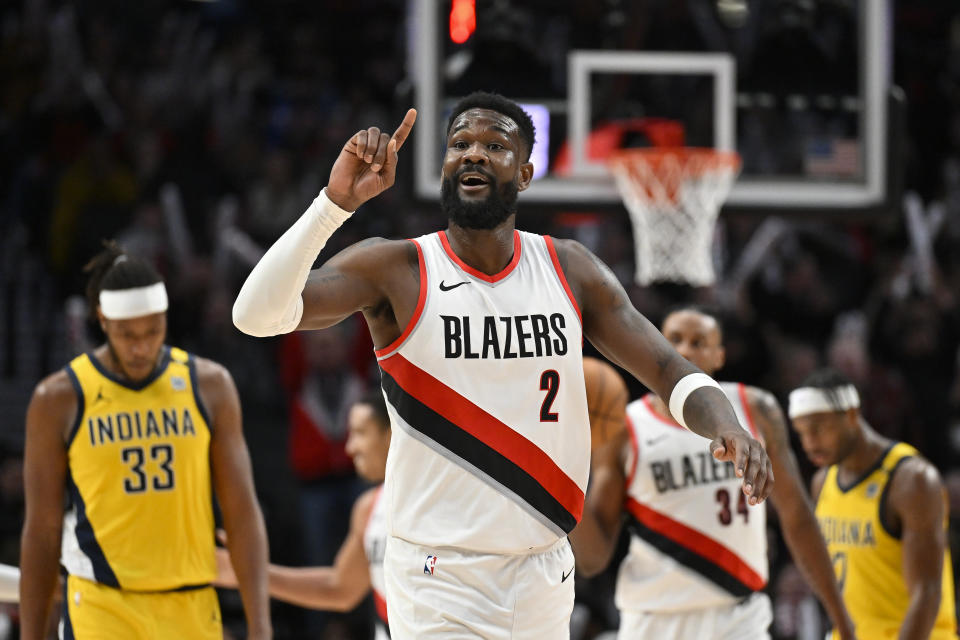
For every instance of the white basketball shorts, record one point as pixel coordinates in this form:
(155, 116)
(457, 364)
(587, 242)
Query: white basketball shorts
(453, 594)
(748, 620)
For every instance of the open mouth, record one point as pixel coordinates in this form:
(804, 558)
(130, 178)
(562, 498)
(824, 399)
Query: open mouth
(472, 181)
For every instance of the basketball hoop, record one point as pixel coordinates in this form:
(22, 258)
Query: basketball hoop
(673, 195)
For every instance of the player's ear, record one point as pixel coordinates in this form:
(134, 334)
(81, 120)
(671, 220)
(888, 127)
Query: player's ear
(526, 176)
(102, 320)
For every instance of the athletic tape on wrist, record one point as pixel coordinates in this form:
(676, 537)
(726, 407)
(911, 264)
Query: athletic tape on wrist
(684, 387)
(122, 304)
(807, 400)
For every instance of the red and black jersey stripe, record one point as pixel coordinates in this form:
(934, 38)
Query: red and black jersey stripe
(694, 550)
(485, 444)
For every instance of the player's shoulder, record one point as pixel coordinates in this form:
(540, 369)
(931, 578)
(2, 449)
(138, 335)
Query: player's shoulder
(55, 389)
(571, 252)
(54, 404)
(915, 476)
(363, 507)
(915, 493)
(766, 412)
(214, 381)
(376, 258)
(383, 250)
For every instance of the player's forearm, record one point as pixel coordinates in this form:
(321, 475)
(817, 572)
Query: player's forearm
(39, 563)
(315, 588)
(806, 546)
(593, 546)
(708, 413)
(269, 303)
(922, 611)
(247, 543)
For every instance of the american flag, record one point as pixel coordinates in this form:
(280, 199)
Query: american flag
(832, 158)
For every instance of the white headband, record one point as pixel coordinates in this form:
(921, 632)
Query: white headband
(122, 304)
(807, 400)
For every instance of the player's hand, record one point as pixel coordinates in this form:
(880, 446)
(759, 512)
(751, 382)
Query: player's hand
(367, 164)
(225, 575)
(750, 462)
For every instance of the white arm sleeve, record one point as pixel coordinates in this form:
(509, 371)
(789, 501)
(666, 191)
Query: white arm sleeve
(270, 301)
(9, 583)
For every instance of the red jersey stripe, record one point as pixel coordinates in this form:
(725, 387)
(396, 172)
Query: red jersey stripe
(421, 303)
(742, 392)
(380, 603)
(563, 279)
(700, 544)
(484, 427)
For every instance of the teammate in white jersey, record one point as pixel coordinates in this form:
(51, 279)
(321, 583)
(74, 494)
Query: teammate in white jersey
(358, 567)
(478, 331)
(697, 559)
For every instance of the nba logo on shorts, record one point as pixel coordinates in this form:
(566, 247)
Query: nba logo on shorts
(430, 565)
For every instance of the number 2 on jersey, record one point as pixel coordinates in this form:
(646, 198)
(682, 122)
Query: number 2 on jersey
(549, 382)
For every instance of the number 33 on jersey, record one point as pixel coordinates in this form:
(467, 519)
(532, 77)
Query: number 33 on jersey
(139, 460)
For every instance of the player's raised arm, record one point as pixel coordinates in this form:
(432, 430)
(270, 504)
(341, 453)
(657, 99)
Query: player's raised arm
(270, 301)
(623, 335)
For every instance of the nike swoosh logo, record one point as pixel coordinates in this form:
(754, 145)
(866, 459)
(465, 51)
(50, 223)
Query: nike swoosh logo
(652, 441)
(567, 574)
(444, 287)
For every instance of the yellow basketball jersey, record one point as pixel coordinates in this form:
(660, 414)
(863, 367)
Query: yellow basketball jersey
(868, 559)
(140, 513)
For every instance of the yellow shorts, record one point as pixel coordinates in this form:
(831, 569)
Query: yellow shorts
(93, 610)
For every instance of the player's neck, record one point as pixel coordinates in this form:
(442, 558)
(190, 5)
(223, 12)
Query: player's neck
(105, 355)
(869, 447)
(486, 250)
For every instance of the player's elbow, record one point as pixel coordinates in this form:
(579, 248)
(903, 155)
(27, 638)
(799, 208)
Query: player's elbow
(244, 322)
(250, 322)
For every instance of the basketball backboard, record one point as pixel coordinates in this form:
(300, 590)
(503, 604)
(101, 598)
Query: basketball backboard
(798, 88)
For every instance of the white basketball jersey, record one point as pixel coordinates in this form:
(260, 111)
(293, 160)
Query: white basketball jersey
(491, 439)
(695, 541)
(374, 544)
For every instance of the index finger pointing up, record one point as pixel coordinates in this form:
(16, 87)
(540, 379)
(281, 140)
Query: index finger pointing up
(400, 135)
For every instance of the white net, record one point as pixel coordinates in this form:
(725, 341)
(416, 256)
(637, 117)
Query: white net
(673, 196)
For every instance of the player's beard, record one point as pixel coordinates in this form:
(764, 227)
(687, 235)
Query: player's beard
(499, 204)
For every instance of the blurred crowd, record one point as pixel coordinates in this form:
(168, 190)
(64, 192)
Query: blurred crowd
(195, 133)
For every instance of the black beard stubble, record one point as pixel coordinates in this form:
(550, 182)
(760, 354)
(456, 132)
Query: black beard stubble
(486, 214)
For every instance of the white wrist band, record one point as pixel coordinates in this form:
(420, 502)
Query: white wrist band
(684, 387)
(270, 301)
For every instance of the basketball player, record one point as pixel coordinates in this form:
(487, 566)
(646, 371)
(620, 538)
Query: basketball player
(358, 566)
(136, 436)
(883, 512)
(478, 331)
(697, 560)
